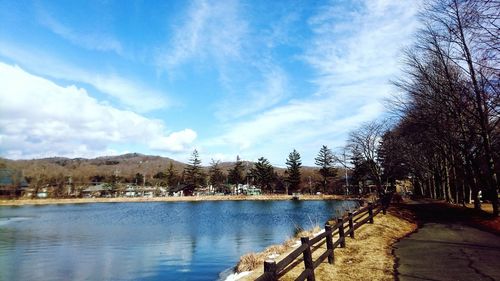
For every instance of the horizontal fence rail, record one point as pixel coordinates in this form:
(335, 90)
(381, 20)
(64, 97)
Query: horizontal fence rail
(344, 226)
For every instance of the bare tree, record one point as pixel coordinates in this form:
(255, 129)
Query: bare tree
(469, 33)
(365, 143)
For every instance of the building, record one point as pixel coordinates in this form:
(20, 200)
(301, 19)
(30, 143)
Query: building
(12, 183)
(100, 190)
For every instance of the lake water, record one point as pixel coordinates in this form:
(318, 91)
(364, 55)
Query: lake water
(146, 241)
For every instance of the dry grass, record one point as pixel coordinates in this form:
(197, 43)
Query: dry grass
(367, 257)
(20, 202)
(252, 261)
(249, 262)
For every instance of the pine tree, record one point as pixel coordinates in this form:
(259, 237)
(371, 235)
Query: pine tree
(360, 171)
(216, 175)
(236, 173)
(263, 173)
(293, 170)
(139, 179)
(325, 161)
(194, 174)
(171, 175)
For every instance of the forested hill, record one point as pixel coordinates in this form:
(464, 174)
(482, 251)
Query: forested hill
(81, 169)
(121, 168)
(124, 166)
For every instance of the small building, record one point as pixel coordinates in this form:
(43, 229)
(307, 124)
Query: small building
(130, 191)
(42, 193)
(162, 191)
(202, 191)
(99, 190)
(179, 190)
(12, 183)
(254, 191)
(247, 189)
(146, 191)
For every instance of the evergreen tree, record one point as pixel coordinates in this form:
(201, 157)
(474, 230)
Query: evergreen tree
(325, 161)
(159, 179)
(193, 172)
(263, 174)
(139, 179)
(293, 170)
(216, 175)
(361, 170)
(171, 175)
(236, 173)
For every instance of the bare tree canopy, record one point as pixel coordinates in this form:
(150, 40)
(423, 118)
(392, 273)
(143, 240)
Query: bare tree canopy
(447, 139)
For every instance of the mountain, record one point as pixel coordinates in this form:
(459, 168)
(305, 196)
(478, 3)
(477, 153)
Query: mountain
(81, 169)
(125, 166)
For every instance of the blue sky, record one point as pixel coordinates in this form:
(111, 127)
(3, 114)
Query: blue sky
(249, 78)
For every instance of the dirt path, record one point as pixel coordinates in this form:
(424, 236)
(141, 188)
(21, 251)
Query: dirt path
(444, 248)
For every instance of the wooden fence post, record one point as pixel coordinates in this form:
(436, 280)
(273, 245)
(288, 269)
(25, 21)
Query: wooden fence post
(329, 242)
(308, 260)
(351, 224)
(270, 270)
(341, 233)
(370, 212)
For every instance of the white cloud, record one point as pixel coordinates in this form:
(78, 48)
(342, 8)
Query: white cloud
(133, 95)
(175, 142)
(354, 54)
(40, 118)
(212, 30)
(91, 40)
(128, 92)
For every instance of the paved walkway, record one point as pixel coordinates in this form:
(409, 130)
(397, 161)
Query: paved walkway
(444, 249)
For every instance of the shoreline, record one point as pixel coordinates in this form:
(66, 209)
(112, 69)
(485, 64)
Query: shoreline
(371, 251)
(53, 201)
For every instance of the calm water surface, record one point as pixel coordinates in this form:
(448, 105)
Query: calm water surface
(146, 241)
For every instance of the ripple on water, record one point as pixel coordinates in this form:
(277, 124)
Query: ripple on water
(151, 241)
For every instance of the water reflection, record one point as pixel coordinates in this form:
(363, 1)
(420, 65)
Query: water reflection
(148, 241)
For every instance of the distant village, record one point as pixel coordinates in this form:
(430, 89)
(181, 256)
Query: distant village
(14, 185)
(111, 177)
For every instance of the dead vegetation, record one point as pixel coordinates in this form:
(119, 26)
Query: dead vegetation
(253, 261)
(367, 257)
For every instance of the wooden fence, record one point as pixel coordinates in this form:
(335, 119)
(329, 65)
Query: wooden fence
(345, 226)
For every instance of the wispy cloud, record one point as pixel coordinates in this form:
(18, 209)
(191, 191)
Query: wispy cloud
(39, 118)
(210, 30)
(90, 40)
(131, 94)
(218, 35)
(355, 46)
(354, 55)
(257, 97)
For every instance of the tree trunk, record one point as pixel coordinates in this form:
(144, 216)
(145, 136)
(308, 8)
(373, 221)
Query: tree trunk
(433, 186)
(449, 197)
(491, 178)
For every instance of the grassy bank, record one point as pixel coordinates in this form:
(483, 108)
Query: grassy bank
(20, 202)
(367, 257)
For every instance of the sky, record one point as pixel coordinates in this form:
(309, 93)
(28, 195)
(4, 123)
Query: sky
(250, 78)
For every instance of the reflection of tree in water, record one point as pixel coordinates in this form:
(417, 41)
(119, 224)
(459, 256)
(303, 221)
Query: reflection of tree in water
(147, 240)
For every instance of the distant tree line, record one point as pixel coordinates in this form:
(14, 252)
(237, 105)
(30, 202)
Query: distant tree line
(262, 174)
